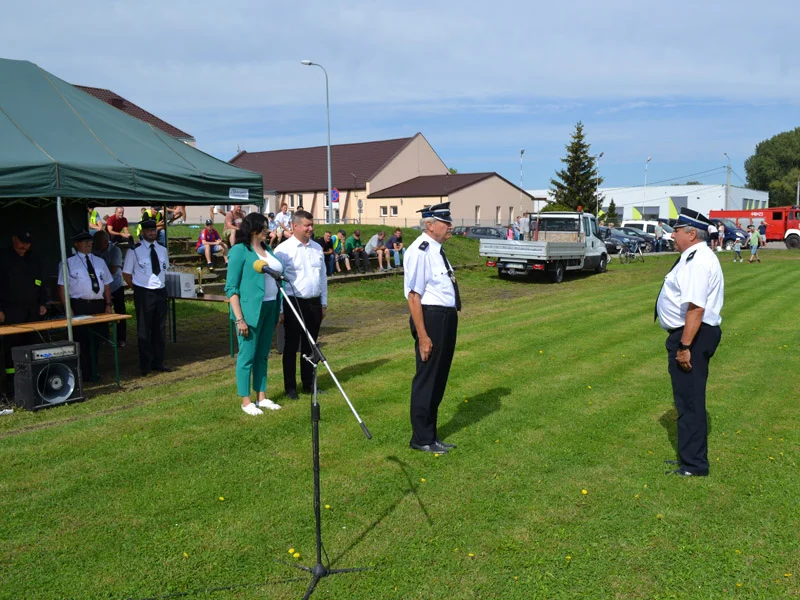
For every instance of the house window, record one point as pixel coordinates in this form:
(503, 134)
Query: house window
(299, 199)
(384, 211)
(393, 211)
(291, 200)
(477, 214)
(327, 201)
(498, 215)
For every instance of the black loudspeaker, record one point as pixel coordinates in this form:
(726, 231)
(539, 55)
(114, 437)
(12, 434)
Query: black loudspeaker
(46, 375)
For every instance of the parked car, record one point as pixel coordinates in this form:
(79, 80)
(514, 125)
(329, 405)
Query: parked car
(648, 242)
(461, 230)
(481, 233)
(617, 236)
(732, 233)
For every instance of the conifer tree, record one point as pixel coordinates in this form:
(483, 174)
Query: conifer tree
(577, 184)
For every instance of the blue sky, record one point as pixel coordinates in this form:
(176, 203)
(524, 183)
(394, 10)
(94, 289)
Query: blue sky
(682, 82)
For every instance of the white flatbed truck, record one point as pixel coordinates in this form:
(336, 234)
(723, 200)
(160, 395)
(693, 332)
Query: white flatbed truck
(557, 242)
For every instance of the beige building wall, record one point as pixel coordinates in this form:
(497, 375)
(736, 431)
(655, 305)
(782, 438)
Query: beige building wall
(417, 158)
(490, 202)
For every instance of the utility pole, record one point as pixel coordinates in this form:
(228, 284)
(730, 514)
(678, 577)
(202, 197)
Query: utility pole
(521, 152)
(728, 185)
(797, 197)
(597, 187)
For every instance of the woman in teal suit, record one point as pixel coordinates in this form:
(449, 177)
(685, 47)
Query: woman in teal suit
(255, 306)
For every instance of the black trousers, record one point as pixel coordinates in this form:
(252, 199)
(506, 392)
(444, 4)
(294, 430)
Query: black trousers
(430, 380)
(16, 313)
(151, 319)
(360, 261)
(118, 300)
(689, 393)
(295, 339)
(83, 334)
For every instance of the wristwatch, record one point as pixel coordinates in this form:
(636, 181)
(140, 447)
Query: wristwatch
(682, 346)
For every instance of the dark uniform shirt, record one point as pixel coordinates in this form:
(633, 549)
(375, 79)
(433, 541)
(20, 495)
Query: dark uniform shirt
(20, 280)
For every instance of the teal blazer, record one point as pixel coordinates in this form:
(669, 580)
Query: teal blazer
(246, 283)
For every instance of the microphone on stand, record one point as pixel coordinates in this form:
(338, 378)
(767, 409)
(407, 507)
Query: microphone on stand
(261, 266)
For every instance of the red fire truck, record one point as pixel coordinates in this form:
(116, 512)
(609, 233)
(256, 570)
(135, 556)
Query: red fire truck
(783, 222)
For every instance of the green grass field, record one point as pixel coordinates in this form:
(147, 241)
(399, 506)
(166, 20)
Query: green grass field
(559, 401)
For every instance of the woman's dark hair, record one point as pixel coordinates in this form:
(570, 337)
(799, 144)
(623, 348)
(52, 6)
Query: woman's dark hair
(253, 223)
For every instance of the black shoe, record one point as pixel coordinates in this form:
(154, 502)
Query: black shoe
(446, 445)
(685, 473)
(163, 369)
(435, 447)
(292, 395)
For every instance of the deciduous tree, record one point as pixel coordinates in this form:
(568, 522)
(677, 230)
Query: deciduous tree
(775, 167)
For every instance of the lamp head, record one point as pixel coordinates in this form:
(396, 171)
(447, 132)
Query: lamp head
(601, 155)
(307, 63)
(649, 158)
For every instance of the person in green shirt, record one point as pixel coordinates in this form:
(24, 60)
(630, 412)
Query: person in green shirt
(355, 249)
(755, 242)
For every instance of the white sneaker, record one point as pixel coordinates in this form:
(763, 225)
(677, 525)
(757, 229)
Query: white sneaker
(268, 404)
(252, 409)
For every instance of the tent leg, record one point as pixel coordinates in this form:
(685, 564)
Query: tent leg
(64, 270)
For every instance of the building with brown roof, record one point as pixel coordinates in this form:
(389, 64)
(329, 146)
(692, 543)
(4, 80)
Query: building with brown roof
(137, 112)
(390, 179)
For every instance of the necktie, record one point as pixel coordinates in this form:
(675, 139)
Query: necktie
(655, 308)
(154, 260)
(92, 275)
(452, 277)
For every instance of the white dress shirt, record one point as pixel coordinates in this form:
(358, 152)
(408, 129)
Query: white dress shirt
(137, 263)
(426, 273)
(304, 269)
(697, 278)
(80, 284)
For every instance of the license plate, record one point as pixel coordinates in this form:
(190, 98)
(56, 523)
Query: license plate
(515, 266)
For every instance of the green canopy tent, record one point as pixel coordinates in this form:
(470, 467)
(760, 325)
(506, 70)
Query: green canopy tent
(60, 145)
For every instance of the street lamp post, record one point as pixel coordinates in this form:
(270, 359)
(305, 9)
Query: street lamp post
(308, 63)
(597, 187)
(521, 152)
(728, 184)
(649, 158)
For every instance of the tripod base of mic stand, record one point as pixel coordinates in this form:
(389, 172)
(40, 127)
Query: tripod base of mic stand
(319, 571)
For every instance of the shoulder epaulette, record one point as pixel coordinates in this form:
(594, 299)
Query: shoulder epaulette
(691, 256)
(424, 246)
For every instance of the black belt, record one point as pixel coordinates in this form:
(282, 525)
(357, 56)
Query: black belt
(671, 331)
(432, 308)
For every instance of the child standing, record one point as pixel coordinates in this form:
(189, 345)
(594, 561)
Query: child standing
(737, 248)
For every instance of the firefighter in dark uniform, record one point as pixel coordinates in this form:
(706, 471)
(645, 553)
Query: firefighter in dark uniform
(688, 308)
(22, 296)
(434, 302)
(145, 271)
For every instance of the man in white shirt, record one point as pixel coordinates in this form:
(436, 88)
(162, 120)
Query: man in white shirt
(688, 308)
(307, 288)
(145, 271)
(433, 300)
(284, 221)
(89, 294)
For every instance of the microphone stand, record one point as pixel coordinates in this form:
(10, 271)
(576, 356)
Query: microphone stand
(318, 571)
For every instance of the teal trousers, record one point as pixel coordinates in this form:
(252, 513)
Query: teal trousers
(254, 350)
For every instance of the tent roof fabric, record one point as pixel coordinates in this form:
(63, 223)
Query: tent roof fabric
(134, 110)
(306, 169)
(60, 141)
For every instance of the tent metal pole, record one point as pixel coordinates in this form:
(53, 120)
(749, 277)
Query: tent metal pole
(64, 270)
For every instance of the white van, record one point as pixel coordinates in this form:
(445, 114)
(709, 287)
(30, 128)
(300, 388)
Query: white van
(650, 227)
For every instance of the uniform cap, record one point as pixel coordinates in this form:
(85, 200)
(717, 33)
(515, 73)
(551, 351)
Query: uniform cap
(82, 237)
(692, 218)
(440, 212)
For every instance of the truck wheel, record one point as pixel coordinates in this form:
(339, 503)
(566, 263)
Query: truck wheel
(557, 274)
(603, 266)
(729, 245)
(503, 274)
(793, 241)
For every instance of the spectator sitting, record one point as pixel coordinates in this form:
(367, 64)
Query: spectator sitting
(95, 222)
(176, 212)
(233, 219)
(395, 247)
(274, 231)
(117, 227)
(355, 249)
(338, 248)
(284, 221)
(210, 243)
(326, 243)
(377, 246)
